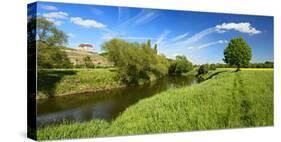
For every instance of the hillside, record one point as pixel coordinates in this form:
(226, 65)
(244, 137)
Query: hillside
(77, 56)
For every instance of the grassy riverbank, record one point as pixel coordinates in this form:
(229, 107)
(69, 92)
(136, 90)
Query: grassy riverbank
(57, 82)
(227, 100)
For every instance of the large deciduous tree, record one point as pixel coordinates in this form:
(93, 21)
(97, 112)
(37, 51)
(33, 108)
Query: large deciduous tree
(237, 53)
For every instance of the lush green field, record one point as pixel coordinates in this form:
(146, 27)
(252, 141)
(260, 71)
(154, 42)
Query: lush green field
(56, 82)
(227, 100)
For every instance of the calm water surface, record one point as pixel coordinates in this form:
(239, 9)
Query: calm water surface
(104, 104)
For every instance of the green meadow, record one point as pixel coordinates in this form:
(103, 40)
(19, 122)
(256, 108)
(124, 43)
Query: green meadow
(227, 100)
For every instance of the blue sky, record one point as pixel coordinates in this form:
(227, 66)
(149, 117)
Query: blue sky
(201, 37)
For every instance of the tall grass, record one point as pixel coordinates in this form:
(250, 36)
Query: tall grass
(228, 100)
(56, 82)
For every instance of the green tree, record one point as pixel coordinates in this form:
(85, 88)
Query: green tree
(212, 67)
(180, 65)
(155, 48)
(48, 41)
(237, 53)
(136, 61)
(88, 62)
(48, 34)
(203, 69)
(52, 57)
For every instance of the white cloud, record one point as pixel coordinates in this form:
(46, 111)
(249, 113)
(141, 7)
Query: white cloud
(56, 15)
(145, 16)
(199, 35)
(212, 43)
(138, 38)
(49, 7)
(88, 23)
(182, 36)
(222, 28)
(241, 27)
(142, 17)
(162, 37)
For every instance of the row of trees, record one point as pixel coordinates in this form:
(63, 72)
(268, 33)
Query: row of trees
(266, 64)
(138, 62)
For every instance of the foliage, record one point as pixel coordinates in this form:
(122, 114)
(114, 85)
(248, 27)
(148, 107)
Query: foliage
(266, 64)
(203, 69)
(180, 65)
(212, 67)
(88, 62)
(228, 100)
(238, 53)
(135, 61)
(52, 57)
(48, 34)
(57, 82)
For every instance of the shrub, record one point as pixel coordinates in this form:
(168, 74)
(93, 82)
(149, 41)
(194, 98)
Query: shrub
(203, 69)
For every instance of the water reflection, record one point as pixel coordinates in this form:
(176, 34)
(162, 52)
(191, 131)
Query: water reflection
(102, 105)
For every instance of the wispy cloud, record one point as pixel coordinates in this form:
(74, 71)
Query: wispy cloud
(125, 22)
(56, 15)
(48, 7)
(97, 11)
(221, 28)
(138, 38)
(145, 16)
(123, 14)
(180, 37)
(142, 17)
(212, 43)
(241, 27)
(198, 36)
(88, 23)
(162, 36)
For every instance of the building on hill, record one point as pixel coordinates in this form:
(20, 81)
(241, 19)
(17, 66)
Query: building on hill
(86, 47)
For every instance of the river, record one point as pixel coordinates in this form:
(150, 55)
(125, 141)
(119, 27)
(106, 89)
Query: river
(105, 105)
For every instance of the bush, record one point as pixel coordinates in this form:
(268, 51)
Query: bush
(203, 69)
(52, 57)
(88, 62)
(212, 67)
(180, 65)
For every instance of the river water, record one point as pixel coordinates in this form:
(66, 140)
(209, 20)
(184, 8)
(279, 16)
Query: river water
(105, 105)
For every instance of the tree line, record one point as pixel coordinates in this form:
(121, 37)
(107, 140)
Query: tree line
(139, 62)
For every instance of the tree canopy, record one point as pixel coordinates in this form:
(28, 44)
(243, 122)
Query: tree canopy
(180, 65)
(47, 33)
(237, 53)
(136, 61)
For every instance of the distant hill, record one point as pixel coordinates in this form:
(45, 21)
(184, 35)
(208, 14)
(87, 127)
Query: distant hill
(77, 56)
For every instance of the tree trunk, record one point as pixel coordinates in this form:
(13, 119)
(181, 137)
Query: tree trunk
(238, 68)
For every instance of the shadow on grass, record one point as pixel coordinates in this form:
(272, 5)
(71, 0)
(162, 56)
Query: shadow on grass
(48, 79)
(211, 76)
(202, 79)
